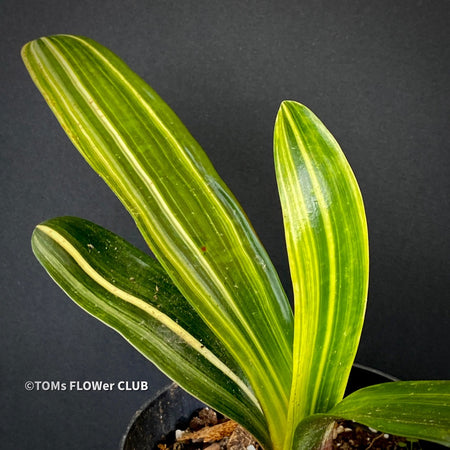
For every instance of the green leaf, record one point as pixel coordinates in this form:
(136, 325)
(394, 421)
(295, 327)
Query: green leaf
(326, 236)
(314, 433)
(130, 291)
(189, 218)
(414, 409)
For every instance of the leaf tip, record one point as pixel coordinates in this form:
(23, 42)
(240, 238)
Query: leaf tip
(36, 241)
(25, 51)
(292, 104)
(291, 108)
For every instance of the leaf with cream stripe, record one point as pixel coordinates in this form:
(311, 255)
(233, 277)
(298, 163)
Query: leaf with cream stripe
(130, 291)
(187, 215)
(327, 244)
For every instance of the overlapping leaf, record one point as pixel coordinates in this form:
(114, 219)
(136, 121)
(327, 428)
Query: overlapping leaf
(314, 433)
(129, 291)
(327, 246)
(225, 332)
(187, 215)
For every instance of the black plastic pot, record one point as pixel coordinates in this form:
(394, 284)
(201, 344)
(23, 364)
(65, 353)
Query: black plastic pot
(172, 407)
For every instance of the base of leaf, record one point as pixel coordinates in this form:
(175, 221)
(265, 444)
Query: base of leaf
(171, 409)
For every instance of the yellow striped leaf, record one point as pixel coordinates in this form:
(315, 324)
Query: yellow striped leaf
(130, 291)
(189, 218)
(326, 238)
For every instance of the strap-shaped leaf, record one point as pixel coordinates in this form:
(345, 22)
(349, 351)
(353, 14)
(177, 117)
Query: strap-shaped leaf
(415, 409)
(189, 218)
(327, 245)
(130, 291)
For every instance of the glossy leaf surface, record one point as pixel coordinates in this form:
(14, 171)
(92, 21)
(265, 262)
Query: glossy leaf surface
(326, 236)
(187, 215)
(415, 409)
(130, 291)
(314, 433)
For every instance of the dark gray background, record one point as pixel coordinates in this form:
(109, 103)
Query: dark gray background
(376, 73)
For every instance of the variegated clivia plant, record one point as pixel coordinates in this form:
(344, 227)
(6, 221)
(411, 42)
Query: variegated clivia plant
(209, 309)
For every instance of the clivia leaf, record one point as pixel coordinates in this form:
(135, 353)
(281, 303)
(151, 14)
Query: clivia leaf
(314, 433)
(212, 313)
(326, 237)
(187, 215)
(414, 409)
(129, 291)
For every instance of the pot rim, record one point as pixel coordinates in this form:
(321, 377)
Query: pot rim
(142, 408)
(376, 371)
